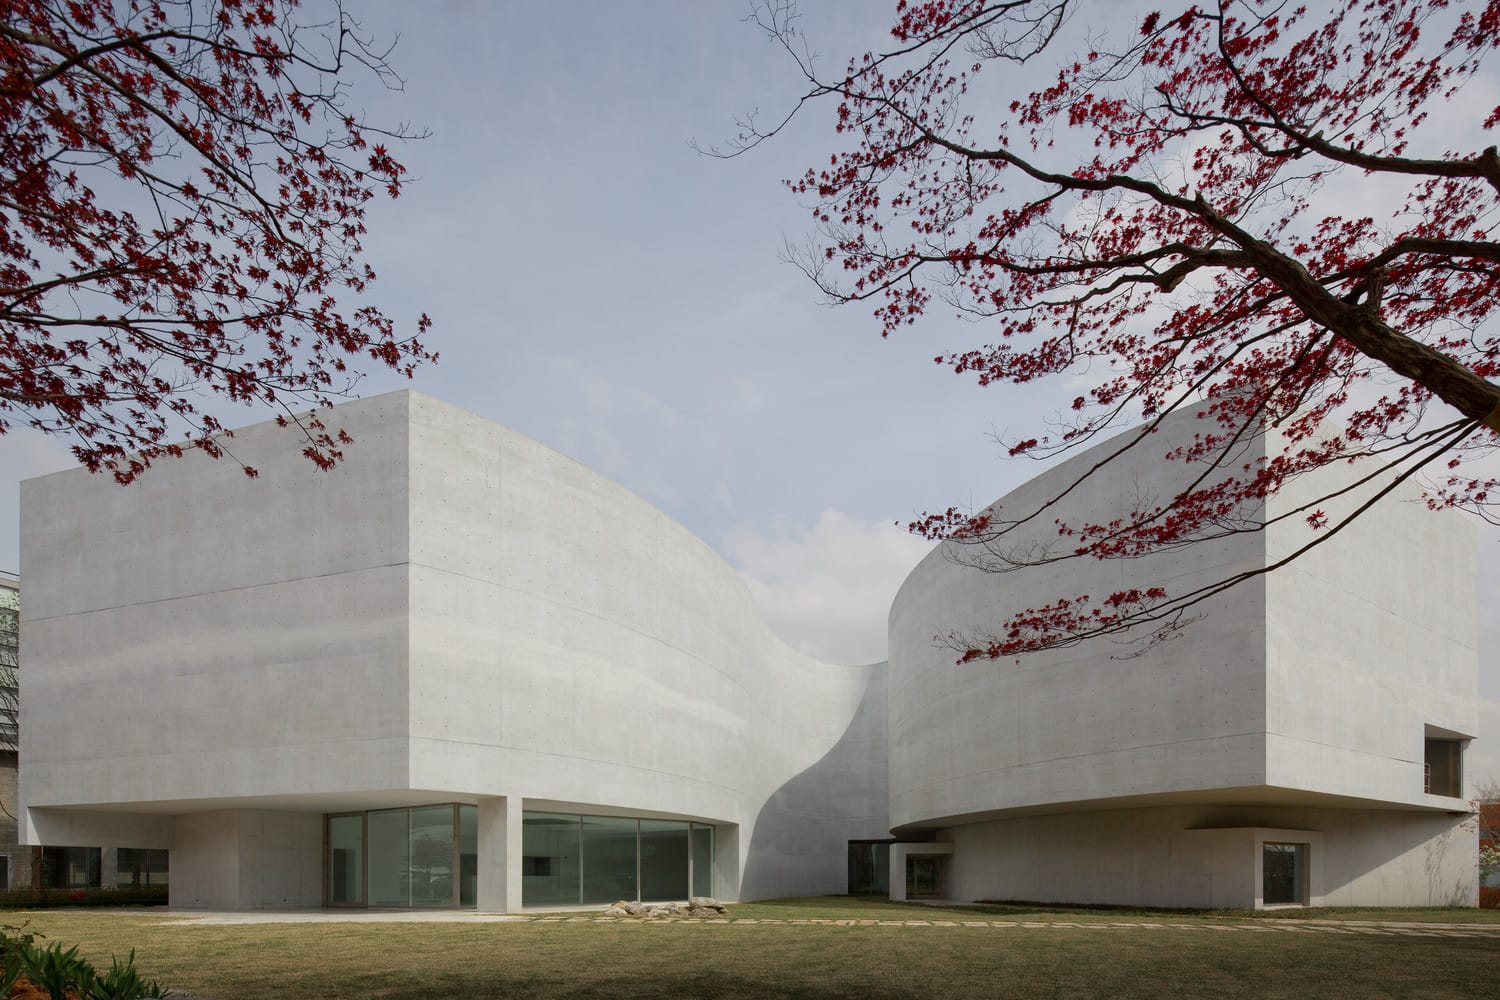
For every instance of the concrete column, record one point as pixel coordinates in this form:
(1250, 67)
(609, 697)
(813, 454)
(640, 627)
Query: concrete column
(500, 854)
(727, 862)
(205, 862)
(899, 854)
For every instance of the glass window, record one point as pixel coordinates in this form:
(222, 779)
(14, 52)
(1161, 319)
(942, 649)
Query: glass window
(346, 864)
(387, 867)
(157, 862)
(549, 859)
(71, 867)
(567, 860)
(926, 875)
(665, 850)
(131, 869)
(1284, 874)
(1443, 767)
(138, 866)
(703, 860)
(609, 859)
(468, 855)
(431, 871)
(869, 869)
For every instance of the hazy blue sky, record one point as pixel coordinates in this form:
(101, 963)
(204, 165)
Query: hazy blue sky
(598, 285)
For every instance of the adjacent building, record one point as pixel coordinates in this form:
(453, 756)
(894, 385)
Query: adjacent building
(463, 670)
(10, 639)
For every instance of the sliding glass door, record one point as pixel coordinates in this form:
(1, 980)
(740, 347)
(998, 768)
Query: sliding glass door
(344, 864)
(425, 856)
(569, 859)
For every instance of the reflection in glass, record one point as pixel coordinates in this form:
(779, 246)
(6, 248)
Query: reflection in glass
(431, 872)
(926, 875)
(703, 860)
(157, 867)
(388, 878)
(609, 859)
(664, 860)
(140, 866)
(568, 859)
(549, 859)
(468, 855)
(346, 867)
(71, 867)
(1284, 873)
(869, 869)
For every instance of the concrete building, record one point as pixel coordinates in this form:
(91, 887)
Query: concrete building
(463, 670)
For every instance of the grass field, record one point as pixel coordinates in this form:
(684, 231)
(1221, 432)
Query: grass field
(1158, 954)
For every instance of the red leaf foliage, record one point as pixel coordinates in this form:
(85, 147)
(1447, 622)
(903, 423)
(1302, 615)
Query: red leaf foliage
(182, 200)
(1238, 208)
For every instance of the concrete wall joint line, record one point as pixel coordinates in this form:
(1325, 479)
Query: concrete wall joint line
(221, 590)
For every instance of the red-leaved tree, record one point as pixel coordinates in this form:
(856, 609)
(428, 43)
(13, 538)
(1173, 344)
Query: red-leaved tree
(1244, 208)
(182, 200)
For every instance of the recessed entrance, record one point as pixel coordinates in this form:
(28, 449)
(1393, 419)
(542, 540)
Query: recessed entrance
(1284, 874)
(926, 876)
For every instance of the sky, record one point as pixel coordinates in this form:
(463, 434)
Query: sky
(597, 284)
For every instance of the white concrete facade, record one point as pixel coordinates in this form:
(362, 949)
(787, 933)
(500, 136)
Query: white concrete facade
(1299, 700)
(457, 614)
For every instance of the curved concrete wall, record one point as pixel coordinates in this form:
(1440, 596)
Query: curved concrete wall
(1074, 724)
(573, 644)
(455, 612)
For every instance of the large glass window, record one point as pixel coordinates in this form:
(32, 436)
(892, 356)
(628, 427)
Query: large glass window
(388, 878)
(346, 860)
(703, 860)
(567, 860)
(468, 855)
(426, 856)
(665, 865)
(549, 859)
(609, 859)
(136, 866)
(71, 867)
(1284, 874)
(431, 869)
(869, 868)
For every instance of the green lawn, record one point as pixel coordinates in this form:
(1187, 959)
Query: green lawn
(856, 907)
(1185, 955)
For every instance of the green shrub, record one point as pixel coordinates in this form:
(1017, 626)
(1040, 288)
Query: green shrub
(46, 899)
(122, 982)
(15, 945)
(57, 970)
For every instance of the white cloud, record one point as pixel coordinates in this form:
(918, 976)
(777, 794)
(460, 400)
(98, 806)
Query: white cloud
(827, 590)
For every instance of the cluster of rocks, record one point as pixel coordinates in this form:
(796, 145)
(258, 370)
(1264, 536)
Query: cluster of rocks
(698, 906)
